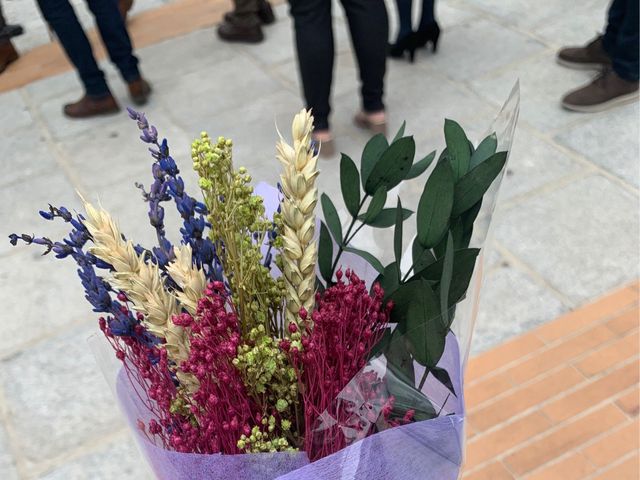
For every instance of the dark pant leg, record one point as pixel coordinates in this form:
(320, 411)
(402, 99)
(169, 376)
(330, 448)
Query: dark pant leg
(115, 37)
(623, 48)
(369, 28)
(61, 17)
(404, 18)
(3, 22)
(428, 16)
(615, 16)
(314, 42)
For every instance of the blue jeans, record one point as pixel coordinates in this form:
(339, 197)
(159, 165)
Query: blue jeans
(620, 39)
(64, 22)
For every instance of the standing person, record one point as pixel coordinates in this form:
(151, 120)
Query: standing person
(8, 53)
(616, 54)
(244, 22)
(408, 40)
(97, 99)
(369, 29)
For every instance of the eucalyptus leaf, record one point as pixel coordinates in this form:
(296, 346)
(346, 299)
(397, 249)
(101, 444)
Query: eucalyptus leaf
(332, 218)
(399, 361)
(325, 253)
(373, 261)
(443, 377)
(388, 280)
(425, 330)
(457, 148)
(435, 205)
(445, 280)
(350, 184)
(383, 344)
(420, 166)
(485, 150)
(464, 262)
(393, 166)
(386, 218)
(397, 235)
(371, 154)
(406, 395)
(471, 187)
(400, 133)
(422, 257)
(376, 205)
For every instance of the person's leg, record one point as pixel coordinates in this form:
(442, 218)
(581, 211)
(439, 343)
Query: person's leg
(404, 18)
(615, 17)
(624, 55)
(61, 17)
(428, 16)
(314, 42)
(115, 37)
(369, 28)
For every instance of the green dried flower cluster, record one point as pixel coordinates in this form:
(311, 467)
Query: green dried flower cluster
(268, 372)
(261, 441)
(239, 227)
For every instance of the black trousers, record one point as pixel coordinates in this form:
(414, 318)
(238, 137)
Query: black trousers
(369, 29)
(63, 20)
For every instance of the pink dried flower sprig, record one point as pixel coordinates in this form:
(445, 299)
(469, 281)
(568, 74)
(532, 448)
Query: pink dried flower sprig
(347, 323)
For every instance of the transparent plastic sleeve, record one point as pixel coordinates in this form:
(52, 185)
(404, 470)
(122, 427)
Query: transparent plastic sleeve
(427, 443)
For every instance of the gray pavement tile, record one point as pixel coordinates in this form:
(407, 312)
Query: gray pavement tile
(41, 295)
(57, 398)
(115, 154)
(15, 113)
(585, 20)
(118, 460)
(619, 153)
(198, 99)
(462, 51)
(582, 238)
(7, 464)
(26, 154)
(512, 12)
(511, 303)
(542, 84)
(281, 34)
(51, 87)
(534, 163)
(23, 201)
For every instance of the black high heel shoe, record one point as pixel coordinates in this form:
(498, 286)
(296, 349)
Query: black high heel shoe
(430, 33)
(402, 45)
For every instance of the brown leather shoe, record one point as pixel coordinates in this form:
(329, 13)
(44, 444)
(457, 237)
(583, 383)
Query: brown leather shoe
(265, 14)
(606, 91)
(230, 31)
(139, 91)
(124, 6)
(91, 107)
(8, 55)
(591, 56)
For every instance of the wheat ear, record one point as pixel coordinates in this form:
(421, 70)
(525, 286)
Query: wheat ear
(299, 252)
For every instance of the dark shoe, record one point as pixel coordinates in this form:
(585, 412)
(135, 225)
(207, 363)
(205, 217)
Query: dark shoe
(364, 121)
(428, 34)
(265, 13)
(231, 32)
(606, 91)
(124, 6)
(591, 56)
(10, 31)
(91, 107)
(405, 44)
(139, 91)
(8, 55)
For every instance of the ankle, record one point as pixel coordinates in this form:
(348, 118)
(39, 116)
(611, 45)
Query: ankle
(377, 117)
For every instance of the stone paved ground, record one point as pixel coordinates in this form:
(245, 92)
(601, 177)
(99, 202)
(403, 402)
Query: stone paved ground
(566, 228)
